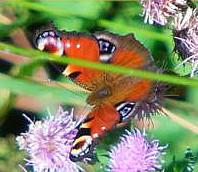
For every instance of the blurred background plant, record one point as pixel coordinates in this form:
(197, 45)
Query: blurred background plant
(31, 85)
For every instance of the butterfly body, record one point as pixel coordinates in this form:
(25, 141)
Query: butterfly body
(113, 97)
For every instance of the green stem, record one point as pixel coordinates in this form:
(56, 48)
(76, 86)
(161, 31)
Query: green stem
(105, 67)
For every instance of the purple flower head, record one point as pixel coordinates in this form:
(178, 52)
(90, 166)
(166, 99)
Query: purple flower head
(153, 104)
(135, 153)
(48, 143)
(159, 11)
(185, 32)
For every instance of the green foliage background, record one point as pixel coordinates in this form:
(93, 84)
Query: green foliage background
(120, 17)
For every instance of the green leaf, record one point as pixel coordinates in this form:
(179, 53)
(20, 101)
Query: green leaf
(10, 158)
(125, 28)
(42, 92)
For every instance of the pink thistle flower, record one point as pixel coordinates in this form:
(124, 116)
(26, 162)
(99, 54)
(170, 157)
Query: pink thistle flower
(49, 142)
(159, 11)
(136, 153)
(185, 30)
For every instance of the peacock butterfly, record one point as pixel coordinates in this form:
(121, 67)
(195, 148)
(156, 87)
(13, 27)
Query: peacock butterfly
(114, 98)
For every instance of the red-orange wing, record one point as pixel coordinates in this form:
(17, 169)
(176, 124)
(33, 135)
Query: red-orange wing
(83, 47)
(129, 52)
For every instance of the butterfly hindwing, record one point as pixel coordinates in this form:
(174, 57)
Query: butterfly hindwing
(100, 120)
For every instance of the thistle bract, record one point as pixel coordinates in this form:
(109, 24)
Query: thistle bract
(186, 37)
(160, 11)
